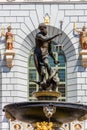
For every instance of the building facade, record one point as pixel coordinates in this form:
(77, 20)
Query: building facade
(24, 18)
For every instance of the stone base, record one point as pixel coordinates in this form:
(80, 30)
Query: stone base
(9, 55)
(83, 54)
(47, 95)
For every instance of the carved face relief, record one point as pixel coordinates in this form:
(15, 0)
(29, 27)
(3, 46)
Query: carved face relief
(49, 111)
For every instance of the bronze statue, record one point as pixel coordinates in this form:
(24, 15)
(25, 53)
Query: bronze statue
(83, 37)
(41, 52)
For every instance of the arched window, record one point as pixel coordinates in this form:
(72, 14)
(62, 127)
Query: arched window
(33, 75)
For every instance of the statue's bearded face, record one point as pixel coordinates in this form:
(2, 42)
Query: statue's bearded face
(44, 30)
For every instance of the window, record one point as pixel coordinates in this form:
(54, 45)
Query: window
(61, 73)
(61, 89)
(32, 88)
(33, 75)
(31, 61)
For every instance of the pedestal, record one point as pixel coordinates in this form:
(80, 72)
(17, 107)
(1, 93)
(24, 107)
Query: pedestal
(9, 55)
(47, 95)
(83, 54)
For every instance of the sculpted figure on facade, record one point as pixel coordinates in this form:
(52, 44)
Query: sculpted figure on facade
(42, 51)
(82, 36)
(9, 38)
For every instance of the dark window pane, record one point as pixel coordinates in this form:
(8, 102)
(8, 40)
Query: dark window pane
(31, 61)
(61, 88)
(61, 59)
(32, 74)
(61, 73)
(32, 88)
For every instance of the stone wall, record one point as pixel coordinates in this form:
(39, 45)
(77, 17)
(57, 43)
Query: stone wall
(24, 19)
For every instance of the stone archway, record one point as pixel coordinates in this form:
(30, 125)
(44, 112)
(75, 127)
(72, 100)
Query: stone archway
(68, 48)
(29, 41)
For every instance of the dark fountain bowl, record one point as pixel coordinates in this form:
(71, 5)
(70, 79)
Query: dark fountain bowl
(33, 111)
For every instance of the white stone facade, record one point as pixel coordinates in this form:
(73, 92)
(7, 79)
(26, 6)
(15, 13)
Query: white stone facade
(24, 19)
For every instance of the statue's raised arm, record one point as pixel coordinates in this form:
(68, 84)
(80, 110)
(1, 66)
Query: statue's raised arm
(46, 39)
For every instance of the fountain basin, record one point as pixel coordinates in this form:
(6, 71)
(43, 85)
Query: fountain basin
(33, 111)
